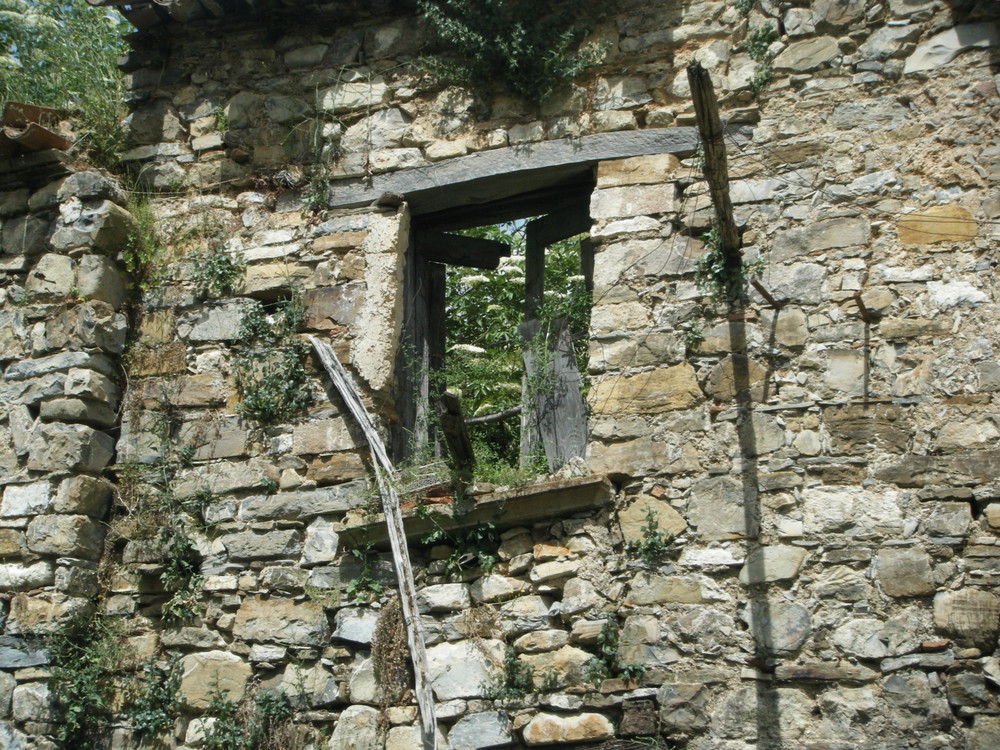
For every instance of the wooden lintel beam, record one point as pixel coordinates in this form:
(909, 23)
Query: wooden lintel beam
(488, 176)
(454, 249)
(553, 198)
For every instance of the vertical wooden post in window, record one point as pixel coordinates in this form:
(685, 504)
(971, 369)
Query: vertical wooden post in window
(534, 294)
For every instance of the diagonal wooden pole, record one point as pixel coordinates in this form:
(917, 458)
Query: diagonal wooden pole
(397, 538)
(706, 110)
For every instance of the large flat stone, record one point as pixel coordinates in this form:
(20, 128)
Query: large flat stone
(304, 503)
(62, 447)
(555, 729)
(249, 545)
(717, 509)
(971, 616)
(281, 621)
(65, 536)
(464, 669)
(654, 391)
(904, 572)
(480, 731)
(773, 563)
(942, 48)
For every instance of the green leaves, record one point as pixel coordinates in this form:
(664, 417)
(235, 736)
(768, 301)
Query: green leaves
(64, 54)
(85, 655)
(270, 372)
(515, 42)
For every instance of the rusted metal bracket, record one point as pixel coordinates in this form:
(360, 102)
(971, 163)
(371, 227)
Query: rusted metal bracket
(775, 304)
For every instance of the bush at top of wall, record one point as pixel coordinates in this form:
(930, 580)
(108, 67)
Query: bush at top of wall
(509, 41)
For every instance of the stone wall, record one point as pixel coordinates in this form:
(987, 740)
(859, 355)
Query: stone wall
(824, 472)
(62, 331)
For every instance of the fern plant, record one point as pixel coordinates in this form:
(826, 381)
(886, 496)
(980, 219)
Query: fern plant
(530, 51)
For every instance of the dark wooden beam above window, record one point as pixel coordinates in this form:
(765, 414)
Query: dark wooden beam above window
(488, 177)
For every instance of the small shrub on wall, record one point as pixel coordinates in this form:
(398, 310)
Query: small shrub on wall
(530, 49)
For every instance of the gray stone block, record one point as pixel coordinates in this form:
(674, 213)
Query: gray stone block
(62, 447)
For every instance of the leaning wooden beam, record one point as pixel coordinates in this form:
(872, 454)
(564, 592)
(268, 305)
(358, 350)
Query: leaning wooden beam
(499, 173)
(397, 538)
(706, 110)
(561, 225)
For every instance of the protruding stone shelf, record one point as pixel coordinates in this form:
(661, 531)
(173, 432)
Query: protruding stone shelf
(546, 500)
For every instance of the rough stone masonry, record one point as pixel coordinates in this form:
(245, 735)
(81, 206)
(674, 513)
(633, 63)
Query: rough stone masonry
(825, 471)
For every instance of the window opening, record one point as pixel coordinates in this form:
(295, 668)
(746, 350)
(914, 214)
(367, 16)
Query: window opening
(502, 324)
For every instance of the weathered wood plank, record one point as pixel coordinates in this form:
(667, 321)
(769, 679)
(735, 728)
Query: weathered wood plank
(384, 472)
(706, 109)
(456, 436)
(492, 175)
(556, 413)
(505, 510)
(473, 252)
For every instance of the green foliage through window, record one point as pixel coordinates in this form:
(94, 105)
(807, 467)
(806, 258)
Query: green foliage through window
(483, 364)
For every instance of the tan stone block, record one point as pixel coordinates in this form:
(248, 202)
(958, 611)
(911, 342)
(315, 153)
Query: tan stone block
(639, 457)
(970, 616)
(321, 436)
(733, 373)
(156, 327)
(633, 518)
(281, 621)
(652, 588)
(11, 543)
(211, 672)
(637, 170)
(270, 277)
(543, 552)
(911, 328)
(993, 515)
(337, 467)
(937, 224)
(547, 729)
(638, 200)
(44, 613)
(662, 389)
(774, 563)
(338, 241)
(565, 666)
